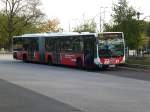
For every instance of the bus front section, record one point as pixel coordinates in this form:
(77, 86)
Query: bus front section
(110, 49)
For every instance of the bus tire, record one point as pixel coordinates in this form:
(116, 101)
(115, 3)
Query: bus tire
(104, 67)
(79, 63)
(89, 67)
(49, 61)
(15, 55)
(24, 57)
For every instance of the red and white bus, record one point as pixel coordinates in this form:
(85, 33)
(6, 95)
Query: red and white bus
(74, 49)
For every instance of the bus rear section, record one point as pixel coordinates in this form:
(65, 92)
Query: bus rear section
(17, 48)
(27, 49)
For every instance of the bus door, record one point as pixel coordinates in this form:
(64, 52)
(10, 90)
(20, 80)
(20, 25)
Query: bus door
(42, 49)
(32, 48)
(89, 49)
(57, 52)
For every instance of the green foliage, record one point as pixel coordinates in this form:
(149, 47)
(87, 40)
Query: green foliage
(148, 30)
(148, 34)
(88, 26)
(122, 12)
(18, 29)
(139, 61)
(148, 43)
(3, 32)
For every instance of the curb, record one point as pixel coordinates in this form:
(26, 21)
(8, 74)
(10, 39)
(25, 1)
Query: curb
(6, 53)
(134, 69)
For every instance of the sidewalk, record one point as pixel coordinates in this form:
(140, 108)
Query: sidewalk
(136, 67)
(137, 63)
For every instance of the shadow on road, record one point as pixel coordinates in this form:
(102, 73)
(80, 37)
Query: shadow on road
(18, 99)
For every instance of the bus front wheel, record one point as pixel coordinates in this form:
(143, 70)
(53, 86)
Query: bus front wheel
(79, 63)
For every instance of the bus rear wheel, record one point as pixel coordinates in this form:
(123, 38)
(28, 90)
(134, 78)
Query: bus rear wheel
(49, 62)
(15, 55)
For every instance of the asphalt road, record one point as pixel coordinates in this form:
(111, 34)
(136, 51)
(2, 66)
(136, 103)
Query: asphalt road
(26, 87)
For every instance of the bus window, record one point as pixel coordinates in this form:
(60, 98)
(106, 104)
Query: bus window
(30, 44)
(65, 44)
(57, 44)
(89, 44)
(77, 44)
(17, 44)
(25, 44)
(49, 44)
(34, 44)
(68, 45)
(62, 45)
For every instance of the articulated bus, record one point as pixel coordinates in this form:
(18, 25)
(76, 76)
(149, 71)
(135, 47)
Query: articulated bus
(82, 50)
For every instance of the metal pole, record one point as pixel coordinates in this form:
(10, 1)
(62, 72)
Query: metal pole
(102, 19)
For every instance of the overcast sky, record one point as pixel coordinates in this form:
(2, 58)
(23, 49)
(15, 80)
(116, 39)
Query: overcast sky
(73, 11)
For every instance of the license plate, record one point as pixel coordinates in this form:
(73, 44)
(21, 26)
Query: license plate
(112, 66)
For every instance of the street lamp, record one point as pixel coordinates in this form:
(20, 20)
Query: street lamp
(100, 19)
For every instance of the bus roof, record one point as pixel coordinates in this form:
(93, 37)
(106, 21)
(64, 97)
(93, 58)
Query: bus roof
(110, 32)
(61, 34)
(55, 34)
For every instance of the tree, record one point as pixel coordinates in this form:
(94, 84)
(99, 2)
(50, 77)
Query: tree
(122, 12)
(20, 14)
(124, 21)
(51, 25)
(2, 30)
(88, 26)
(148, 34)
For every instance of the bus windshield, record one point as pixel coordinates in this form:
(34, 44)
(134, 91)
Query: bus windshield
(111, 45)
